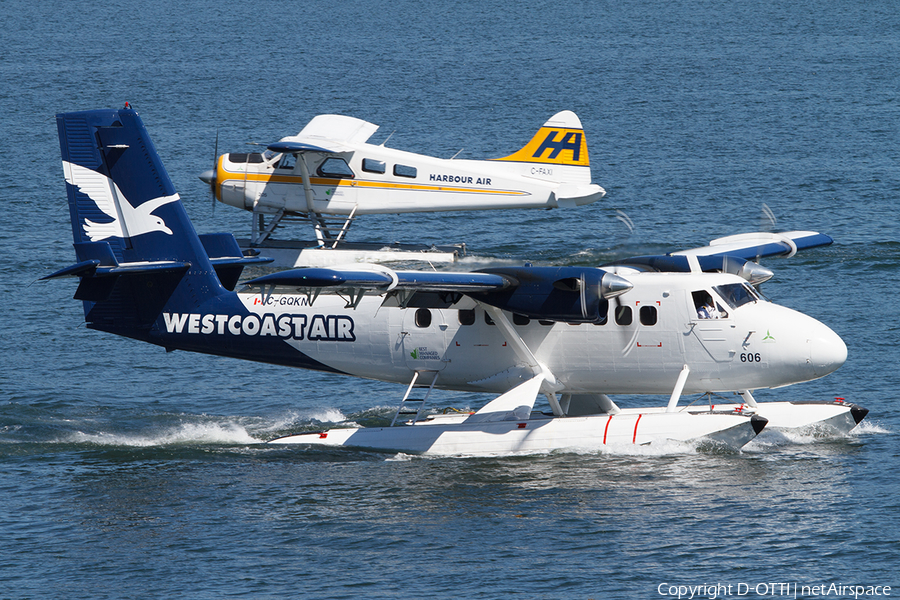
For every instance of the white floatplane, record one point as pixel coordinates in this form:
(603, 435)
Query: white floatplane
(330, 170)
(682, 323)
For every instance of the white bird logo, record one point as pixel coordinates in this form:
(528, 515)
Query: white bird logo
(127, 221)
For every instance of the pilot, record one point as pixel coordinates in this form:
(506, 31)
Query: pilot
(708, 310)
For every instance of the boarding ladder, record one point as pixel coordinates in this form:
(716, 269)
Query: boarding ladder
(415, 406)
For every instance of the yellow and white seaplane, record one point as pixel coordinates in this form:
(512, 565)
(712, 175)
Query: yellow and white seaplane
(330, 171)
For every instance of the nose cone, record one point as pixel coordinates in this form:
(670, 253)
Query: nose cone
(827, 351)
(613, 285)
(208, 177)
(797, 347)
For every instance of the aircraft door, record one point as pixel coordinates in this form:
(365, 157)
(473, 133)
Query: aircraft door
(424, 339)
(711, 324)
(275, 192)
(335, 183)
(656, 343)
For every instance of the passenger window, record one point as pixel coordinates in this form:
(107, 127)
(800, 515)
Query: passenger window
(405, 171)
(335, 167)
(520, 319)
(488, 319)
(467, 317)
(371, 165)
(423, 317)
(623, 315)
(648, 315)
(546, 323)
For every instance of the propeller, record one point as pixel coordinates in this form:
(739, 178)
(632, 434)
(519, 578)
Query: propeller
(209, 177)
(625, 219)
(769, 216)
(768, 221)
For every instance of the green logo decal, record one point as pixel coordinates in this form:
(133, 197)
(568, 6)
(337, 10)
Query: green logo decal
(415, 354)
(768, 337)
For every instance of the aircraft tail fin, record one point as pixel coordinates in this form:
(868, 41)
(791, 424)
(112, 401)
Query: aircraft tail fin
(560, 141)
(137, 249)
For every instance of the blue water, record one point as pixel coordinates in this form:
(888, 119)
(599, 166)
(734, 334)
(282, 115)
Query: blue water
(131, 473)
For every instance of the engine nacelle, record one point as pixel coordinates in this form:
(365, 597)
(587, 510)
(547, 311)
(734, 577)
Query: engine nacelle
(753, 272)
(568, 294)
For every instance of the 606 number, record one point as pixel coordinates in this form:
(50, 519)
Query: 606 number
(750, 357)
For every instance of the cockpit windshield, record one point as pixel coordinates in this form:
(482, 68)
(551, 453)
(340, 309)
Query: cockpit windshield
(736, 294)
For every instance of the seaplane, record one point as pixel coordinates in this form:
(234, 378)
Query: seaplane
(330, 171)
(688, 322)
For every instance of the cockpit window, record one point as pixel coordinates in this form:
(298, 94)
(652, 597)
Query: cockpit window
(335, 167)
(243, 157)
(706, 308)
(288, 161)
(736, 294)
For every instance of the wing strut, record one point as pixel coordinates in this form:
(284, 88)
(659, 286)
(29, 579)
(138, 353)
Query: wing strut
(550, 384)
(310, 202)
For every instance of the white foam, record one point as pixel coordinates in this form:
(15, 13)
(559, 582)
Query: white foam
(399, 457)
(203, 429)
(186, 433)
(868, 426)
(772, 438)
(657, 448)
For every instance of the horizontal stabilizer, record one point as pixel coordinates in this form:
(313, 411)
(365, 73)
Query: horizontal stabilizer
(96, 267)
(227, 258)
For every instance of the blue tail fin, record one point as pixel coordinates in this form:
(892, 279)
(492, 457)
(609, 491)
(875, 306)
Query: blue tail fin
(137, 249)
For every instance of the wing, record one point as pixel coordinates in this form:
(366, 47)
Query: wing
(751, 246)
(327, 133)
(290, 147)
(733, 254)
(570, 294)
(384, 280)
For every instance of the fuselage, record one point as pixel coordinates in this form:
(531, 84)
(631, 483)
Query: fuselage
(649, 334)
(374, 179)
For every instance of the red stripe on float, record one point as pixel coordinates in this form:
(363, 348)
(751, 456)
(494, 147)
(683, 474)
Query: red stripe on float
(634, 439)
(605, 429)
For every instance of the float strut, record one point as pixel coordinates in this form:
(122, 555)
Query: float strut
(679, 385)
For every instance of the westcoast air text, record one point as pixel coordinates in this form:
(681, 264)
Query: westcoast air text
(331, 328)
